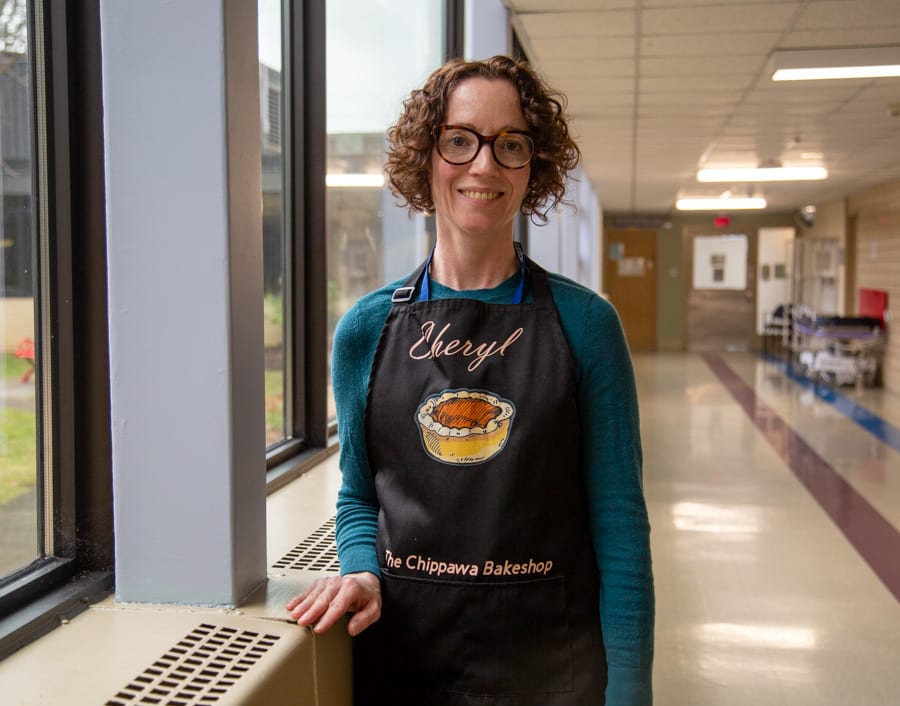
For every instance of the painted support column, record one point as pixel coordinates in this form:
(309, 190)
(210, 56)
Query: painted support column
(487, 29)
(182, 152)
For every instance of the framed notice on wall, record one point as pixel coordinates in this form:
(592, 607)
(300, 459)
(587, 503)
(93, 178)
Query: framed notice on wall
(631, 267)
(720, 262)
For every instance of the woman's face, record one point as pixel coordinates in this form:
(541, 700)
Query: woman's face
(480, 198)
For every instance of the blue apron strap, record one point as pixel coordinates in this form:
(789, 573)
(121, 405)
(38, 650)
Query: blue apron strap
(520, 290)
(425, 290)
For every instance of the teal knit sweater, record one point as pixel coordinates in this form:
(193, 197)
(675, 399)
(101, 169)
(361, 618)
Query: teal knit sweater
(607, 406)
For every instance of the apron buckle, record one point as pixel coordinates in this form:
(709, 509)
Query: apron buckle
(402, 295)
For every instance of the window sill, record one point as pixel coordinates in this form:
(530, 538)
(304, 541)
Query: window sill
(295, 466)
(51, 610)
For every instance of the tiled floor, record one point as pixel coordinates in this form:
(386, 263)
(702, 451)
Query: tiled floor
(776, 550)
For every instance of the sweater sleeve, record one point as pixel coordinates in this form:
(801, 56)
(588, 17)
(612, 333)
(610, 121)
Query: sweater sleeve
(355, 339)
(607, 401)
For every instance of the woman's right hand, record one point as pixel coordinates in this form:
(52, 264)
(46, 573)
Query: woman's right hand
(320, 606)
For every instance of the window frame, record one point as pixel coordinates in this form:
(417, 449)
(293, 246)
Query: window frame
(309, 433)
(73, 456)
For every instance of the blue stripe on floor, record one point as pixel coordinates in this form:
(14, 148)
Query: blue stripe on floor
(868, 420)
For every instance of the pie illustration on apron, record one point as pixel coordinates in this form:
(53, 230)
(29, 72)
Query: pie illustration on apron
(464, 426)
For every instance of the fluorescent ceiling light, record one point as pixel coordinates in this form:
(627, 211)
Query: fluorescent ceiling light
(761, 174)
(849, 62)
(720, 204)
(375, 181)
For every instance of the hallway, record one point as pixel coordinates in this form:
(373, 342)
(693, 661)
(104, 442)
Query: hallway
(776, 550)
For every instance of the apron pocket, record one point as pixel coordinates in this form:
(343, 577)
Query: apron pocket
(484, 638)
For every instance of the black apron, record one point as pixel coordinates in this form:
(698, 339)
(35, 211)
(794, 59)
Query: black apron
(489, 579)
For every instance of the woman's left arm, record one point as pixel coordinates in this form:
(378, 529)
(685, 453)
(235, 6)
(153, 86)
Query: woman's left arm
(607, 401)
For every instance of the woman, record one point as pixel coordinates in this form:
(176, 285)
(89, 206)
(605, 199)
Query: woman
(492, 530)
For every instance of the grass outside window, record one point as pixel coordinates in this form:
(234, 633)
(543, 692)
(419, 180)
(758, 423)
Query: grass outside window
(17, 430)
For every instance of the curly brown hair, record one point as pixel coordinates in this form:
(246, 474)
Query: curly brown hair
(410, 140)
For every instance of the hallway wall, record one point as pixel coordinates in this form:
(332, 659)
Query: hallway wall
(672, 282)
(877, 213)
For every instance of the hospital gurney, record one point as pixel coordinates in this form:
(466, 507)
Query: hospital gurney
(842, 350)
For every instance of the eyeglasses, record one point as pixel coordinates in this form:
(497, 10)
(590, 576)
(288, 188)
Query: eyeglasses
(512, 149)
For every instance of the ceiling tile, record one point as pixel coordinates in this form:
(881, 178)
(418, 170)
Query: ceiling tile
(709, 44)
(733, 17)
(581, 48)
(568, 25)
(692, 67)
(843, 37)
(574, 69)
(568, 5)
(849, 14)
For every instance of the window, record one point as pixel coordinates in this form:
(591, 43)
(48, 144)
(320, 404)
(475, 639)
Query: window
(376, 54)
(331, 229)
(292, 108)
(55, 486)
(22, 371)
(274, 240)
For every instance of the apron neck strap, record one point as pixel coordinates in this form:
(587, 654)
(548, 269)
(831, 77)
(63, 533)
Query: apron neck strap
(523, 267)
(407, 291)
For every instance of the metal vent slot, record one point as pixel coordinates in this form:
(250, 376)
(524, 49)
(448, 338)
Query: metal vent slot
(318, 552)
(198, 669)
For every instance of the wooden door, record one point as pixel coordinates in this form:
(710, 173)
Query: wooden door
(629, 278)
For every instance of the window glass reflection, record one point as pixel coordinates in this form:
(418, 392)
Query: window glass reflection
(19, 368)
(376, 53)
(272, 122)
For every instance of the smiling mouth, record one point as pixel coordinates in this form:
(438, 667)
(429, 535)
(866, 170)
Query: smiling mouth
(481, 195)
